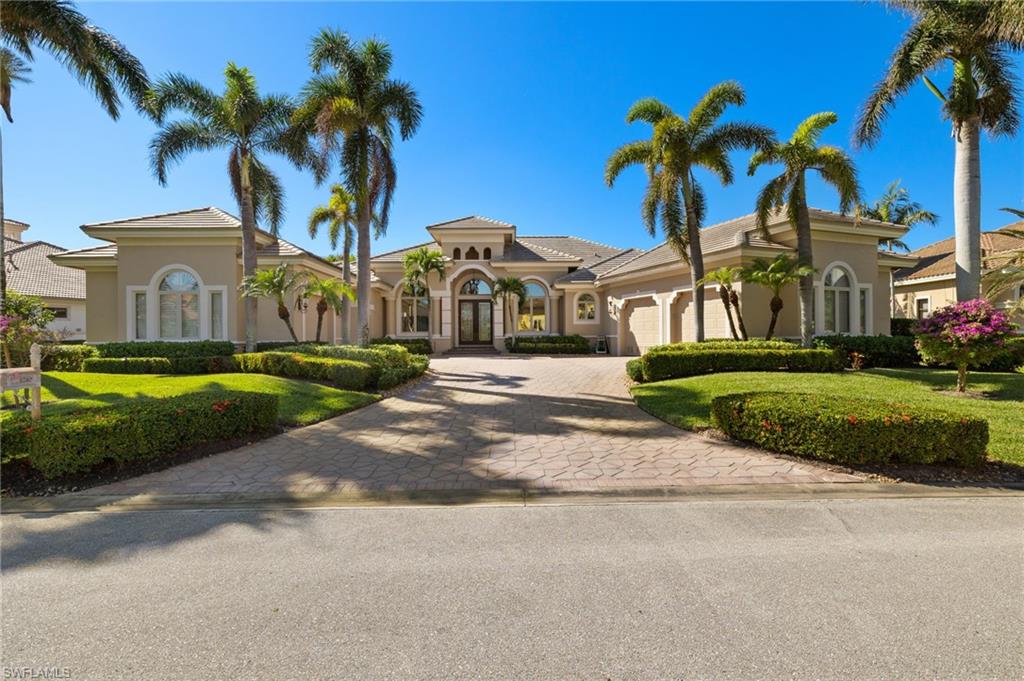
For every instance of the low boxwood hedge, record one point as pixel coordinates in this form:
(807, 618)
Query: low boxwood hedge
(417, 346)
(900, 326)
(549, 345)
(729, 344)
(875, 351)
(160, 365)
(342, 373)
(206, 348)
(660, 365)
(138, 430)
(851, 430)
(392, 364)
(66, 357)
(635, 370)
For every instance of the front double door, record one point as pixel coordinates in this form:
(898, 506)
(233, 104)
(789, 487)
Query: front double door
(476, 324)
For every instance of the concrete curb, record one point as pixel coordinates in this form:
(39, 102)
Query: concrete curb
(70, 503)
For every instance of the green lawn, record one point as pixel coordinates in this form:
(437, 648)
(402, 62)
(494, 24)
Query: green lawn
(685, 402)
(300, 402)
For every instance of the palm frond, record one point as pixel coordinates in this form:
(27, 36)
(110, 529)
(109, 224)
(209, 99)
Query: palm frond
(810, 129)
(712, 105)
(837, 168)
(179, 92)
(634, 153)
(13, 69)
(178, 138)
(267, 195)
(647, 110)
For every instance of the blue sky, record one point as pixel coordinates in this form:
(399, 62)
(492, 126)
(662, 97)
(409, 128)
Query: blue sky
(522, 105)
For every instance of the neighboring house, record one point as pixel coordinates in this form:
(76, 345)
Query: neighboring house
(30, 271)
(175, 276)
(633, 299)
(931, 283)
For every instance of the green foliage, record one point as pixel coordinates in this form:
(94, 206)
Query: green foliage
(664, 364)
(725, 343)
(391, 364)
(22, 323)
(873, 351)
(417, 346)
(136, 430)
(635, 370)
(900, 326)
(160, 365)
(66, 357)
(850, 430)
(1010, 358)
(551, 345)
(207, 348)
(342, 373)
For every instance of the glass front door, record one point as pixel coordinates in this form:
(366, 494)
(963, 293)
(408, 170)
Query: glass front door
(475, 324)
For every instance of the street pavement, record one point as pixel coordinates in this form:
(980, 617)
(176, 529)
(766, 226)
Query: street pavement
(813, 589)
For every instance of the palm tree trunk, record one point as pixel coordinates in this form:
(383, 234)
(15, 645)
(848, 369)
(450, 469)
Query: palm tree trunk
(248, 252)
(776, 308)
(967, 209)
(286, 317)
(346, 276)
(805, 254)
(734, 298)
(363, 277)
(724, 295)
(321, 310)
(696, 263)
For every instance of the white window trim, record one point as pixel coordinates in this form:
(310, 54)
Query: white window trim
(547, 309)
(597, 308)
(153, 307)
(869, 312)
(819, 301)
(130, 293)
(913, 304)
(398, 316)
(208, 292)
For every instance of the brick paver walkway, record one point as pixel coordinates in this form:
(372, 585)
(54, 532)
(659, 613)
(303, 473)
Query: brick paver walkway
(485, 423)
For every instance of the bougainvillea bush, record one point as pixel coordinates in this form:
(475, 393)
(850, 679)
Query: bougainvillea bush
(964, 334)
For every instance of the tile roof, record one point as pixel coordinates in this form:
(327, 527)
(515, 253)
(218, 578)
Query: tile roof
(31, 272)
(591, 273)
(939, 259)
(586, 250)
(524, 251)
(98, 251)
(399, 254)
(209, 216)
(472, 222)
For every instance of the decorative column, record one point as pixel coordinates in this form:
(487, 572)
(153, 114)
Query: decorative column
(444, 329)
(556, 301)
(664, 301)
(499, 318)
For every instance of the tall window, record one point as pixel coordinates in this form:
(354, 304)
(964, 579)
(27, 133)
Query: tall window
(586, 308)
(863, 299)
(922, 307)
(475, 287)
(837, 300)
(415, 311)
(140, 316)
(472, 253)
(531, 309)
(179, 306)
(216, 315)
(457, 254)
(487, 254)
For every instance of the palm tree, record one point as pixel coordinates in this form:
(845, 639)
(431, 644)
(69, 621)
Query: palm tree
(95, 57)
(339, 215)
(724, 277)
(509, 290)
(977, 39)
(330, 294)
(677, 147)
(798, 156)
(418, 266)
(774, 275)
(895, 206)
(245, 124)
(352, 96)
(277, 283)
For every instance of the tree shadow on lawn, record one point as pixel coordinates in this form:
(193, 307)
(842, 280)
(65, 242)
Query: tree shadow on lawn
(996, 385)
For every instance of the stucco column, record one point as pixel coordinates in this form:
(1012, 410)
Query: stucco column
(444, 330)
(664, 301)
(556, 302)
(499, 318)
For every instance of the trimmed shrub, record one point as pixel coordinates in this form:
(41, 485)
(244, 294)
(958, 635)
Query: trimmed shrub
(635, 370)
(342, 373)
(138, 430)
(550, 345)
(659, 365)
(267, 346)
(417, 346)
(728, 343)
(875, 351)
(160, 365)
(207, 348)
(65, 357)
(848, 430)
(901, 326)
(392, 364)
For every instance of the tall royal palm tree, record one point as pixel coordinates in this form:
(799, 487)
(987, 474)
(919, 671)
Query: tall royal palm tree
(330, 294)
(724, 278)
(352, 96)
(896, 206)
(774, 275)
(418, 265)
(339, 214)
(277, 283)
(509, 290)
(246, 125)
(976, 39)
(678, 146)
(798, 156)
(95, 57)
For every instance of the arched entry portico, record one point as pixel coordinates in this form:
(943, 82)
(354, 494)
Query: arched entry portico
(477, 319)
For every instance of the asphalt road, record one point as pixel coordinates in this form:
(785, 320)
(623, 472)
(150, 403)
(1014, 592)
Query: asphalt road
(864, 589)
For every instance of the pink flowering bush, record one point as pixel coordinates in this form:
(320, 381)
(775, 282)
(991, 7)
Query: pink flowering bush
(963, 334)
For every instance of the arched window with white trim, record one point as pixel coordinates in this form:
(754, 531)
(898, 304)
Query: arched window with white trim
(838, 286)
(415, 310)
(533, 309)
(475, 287)
(586, 308)
(179, 306)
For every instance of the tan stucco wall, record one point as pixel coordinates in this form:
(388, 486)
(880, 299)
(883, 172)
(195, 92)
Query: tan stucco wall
(101, 306)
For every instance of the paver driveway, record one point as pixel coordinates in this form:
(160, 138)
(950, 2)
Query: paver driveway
(485, 423)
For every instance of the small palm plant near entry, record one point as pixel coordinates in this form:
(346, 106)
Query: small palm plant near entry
(724, 278)
(329, 293)
(963, 334)
(418, 265)
(277, 283)
(509, 290)
(774, 275)
(340, 217)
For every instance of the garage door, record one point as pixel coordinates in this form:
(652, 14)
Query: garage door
(642, 328)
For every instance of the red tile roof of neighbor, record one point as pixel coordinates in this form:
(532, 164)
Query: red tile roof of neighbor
(938, 259)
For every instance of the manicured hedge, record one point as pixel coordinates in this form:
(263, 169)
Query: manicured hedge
(728, 343)
(417, 346)
(635, 370)
(901, 326)
(138, 430)
(342, 373)
(1011, 359)
(66, 357)
(850, 430)
(392, 364)
(876, 351)
(160, 365)
(550, 345)
(659, 365)
(207, 348)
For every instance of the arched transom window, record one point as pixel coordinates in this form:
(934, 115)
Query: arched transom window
(415, 308)
(472, 253)
(475, 287)
(532, 309)
(179, 305)
(457, 254)
(487, 254)
(586, 308)
(838, 296)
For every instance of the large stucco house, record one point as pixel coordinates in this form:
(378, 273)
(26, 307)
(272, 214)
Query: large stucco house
(175, 276)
